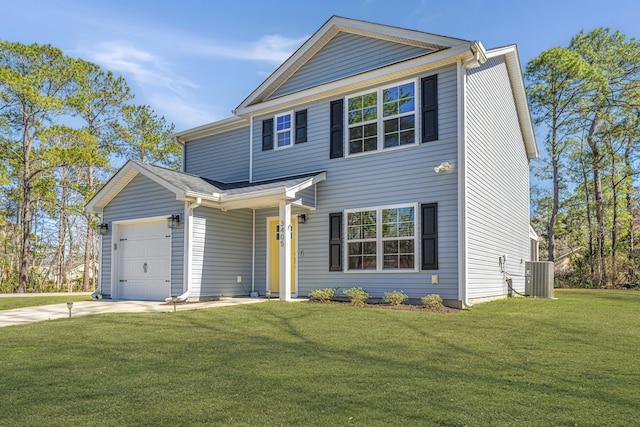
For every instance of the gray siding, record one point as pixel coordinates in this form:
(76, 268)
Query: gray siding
(498, 183)
(347, 55)
(222, 157)
(221, 252)
(143, 198)
(380, 179)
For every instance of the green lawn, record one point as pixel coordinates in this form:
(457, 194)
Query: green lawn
(517, 362)
(10, 303)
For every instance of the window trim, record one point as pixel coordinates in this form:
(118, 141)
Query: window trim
(290, 129)
(380, 240)
(417, 102)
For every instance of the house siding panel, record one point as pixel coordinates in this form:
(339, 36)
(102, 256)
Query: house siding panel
(223, 157)
(347, 55)
(385, 178)
(221, 252)
(143, 198)
(498, 183)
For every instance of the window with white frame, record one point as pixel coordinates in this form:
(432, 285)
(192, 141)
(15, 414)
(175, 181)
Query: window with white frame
(381, 119)
(283, 124)
(381, 239)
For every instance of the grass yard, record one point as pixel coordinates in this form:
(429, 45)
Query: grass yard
(520, 362)
(9, 303)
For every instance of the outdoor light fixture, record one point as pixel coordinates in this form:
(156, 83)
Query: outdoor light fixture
(443, 167)
(174, 300)
(103, 229)
(173, 221)
(302, 218)
(69, 306)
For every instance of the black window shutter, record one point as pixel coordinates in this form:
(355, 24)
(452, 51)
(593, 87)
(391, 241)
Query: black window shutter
(335, 241)
(301, 126)
(430, 108)
(337, 123)
(267, 134)
(430, 236)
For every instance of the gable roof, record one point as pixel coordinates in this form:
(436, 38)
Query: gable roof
(336, 25)
(187, 187)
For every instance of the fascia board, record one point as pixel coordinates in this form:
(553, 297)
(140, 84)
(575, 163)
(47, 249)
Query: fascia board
(374, 77)
(520, 95)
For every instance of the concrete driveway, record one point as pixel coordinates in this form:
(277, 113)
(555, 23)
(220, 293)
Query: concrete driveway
(21, 316)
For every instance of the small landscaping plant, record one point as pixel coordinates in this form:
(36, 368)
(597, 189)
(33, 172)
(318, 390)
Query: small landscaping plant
(395, 297)
(323, 295)
(357, 296)
(432, 301)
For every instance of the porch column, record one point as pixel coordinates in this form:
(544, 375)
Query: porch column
(285, 250)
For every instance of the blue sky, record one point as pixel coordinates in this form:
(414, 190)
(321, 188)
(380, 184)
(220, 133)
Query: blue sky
(194, 61)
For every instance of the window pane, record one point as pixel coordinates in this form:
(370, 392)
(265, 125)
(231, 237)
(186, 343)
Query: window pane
(370, 130)
(355, 263)
(391, 140)
(355, 132)
(355, 248)
(390, 125)
(405, 246)
(354, 233)
(368, 232)
(369, 248)
(368, 262)
(370, 113)
(390, 261)
(407, 261)
(355, 103)
(407, 137)
(390, 247)
(284, 139)
(283, 122)
(370, 144)
(355, 117)
(407, 122)
(355, 147)
(369, 217)
(370, 100)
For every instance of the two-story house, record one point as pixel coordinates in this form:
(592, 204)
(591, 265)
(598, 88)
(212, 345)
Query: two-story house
(374, 157)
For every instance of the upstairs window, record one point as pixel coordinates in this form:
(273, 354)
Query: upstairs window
(283, 124)
(381, 119)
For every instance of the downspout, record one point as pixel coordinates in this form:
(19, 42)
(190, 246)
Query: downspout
(253, 294)
(462, 68)
(251, 150)
(98, 293)
(188, 237)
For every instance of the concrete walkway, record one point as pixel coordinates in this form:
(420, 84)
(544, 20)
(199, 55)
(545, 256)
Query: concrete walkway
(21, 316)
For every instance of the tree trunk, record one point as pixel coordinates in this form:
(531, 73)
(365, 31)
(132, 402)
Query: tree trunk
(599, 204)
(88, 244)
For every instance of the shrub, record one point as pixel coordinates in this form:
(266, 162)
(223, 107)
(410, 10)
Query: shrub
(323, 295)
(395, 297)
(432, 301)
(357, 295)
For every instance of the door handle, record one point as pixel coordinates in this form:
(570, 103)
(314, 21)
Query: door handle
(144, 267)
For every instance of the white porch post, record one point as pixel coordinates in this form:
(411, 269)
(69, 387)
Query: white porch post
(285, 250)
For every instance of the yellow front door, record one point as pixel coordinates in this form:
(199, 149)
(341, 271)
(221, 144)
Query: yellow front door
(274, 255)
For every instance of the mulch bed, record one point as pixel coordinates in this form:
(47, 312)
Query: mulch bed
(384, 306)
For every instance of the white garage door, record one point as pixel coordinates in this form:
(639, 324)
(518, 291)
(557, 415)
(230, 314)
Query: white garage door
(144, 263)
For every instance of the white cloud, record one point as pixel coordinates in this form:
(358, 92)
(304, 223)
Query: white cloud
(144, 67)
(270, 48)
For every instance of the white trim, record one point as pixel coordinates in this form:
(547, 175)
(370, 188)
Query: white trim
(379, 240)
(276, 132)
(210, 129)
(268, 257)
